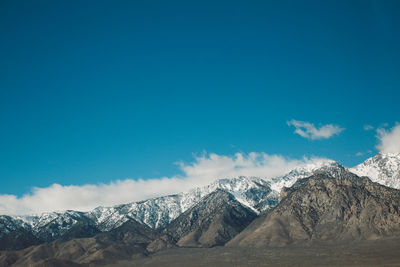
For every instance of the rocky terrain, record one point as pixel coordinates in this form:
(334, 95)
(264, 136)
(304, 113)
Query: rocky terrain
(381, 252)
(382, 168)
(322, 208)
(310, 211)
(213, 221)
(257, 194)
(129, 241)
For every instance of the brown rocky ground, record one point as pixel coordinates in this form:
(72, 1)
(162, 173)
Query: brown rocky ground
(385, 252)
(322, 209)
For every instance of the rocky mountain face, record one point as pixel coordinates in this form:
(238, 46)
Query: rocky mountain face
(383, 169)
(159, 212)
(323, 208)
(18, 239)
(213, 221)
(287, 180)
(129, 241)
(323, 202)
(16, 234)
(256, 194)
(252, 192)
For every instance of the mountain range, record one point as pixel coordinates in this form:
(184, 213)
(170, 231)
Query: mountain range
(318, 202)
(255, 193)
(326, 208)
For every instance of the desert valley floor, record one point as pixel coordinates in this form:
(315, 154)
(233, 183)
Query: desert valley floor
(366, 253)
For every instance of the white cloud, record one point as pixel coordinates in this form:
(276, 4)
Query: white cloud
(203, 170)
(359, 154)
(368, 127)
(389, 140)
(309, 131)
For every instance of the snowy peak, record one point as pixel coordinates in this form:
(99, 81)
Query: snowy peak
(9, 224)
(384, 168)
(159, 212)
(254, 193)
(249, 191)
(326, 166)
(213, 221)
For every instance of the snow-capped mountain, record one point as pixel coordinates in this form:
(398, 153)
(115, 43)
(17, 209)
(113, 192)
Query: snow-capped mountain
(257, 194)
(252, 192)
(52, 225)
(9, 224)
(158, 212)
(383, 169)
(304, 171)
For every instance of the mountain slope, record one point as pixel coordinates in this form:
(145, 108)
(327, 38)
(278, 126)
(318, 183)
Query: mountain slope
(125, 242)
(50, 226)
(213, 221)
(287, 180)
(258, 194)
(15, 234)
(323, 208)
(159, 212)
(252, 192)
(383, 169)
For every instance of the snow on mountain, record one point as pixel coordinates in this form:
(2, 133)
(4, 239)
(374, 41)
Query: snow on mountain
(258, 194)
(158, 212)
(9, 224)
(384, 168)
(329, 166)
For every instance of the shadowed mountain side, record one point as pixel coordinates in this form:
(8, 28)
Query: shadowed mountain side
(213, 221)
(15, 234)
(321, 208)
(55, 227)
(80, 230)
(18, 239)
(125, 242)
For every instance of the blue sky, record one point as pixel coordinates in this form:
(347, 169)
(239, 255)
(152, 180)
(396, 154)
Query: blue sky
(95, 91)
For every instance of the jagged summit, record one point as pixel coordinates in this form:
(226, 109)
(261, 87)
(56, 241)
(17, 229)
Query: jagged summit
(323, 165)
(158, 212)
(384, 168)
(319, 202)
(252, 192)
(322, 208)
(213, 221)
(255, 193)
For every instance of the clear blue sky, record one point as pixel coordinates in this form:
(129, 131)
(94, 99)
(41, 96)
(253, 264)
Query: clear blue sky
(93, 91)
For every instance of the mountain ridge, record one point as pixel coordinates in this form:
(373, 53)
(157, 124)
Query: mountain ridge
(254, 193)
(321, 208)
(213, 221)
(332, 205)
(384, 168)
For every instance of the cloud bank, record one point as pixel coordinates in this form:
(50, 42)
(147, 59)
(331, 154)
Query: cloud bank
(389, 140)
(309, 131)
(202, 171)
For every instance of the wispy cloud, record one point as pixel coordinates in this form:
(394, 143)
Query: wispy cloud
(203, 170)
(389, 140)
(368, 127)
(359, 154)
(309, 131)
